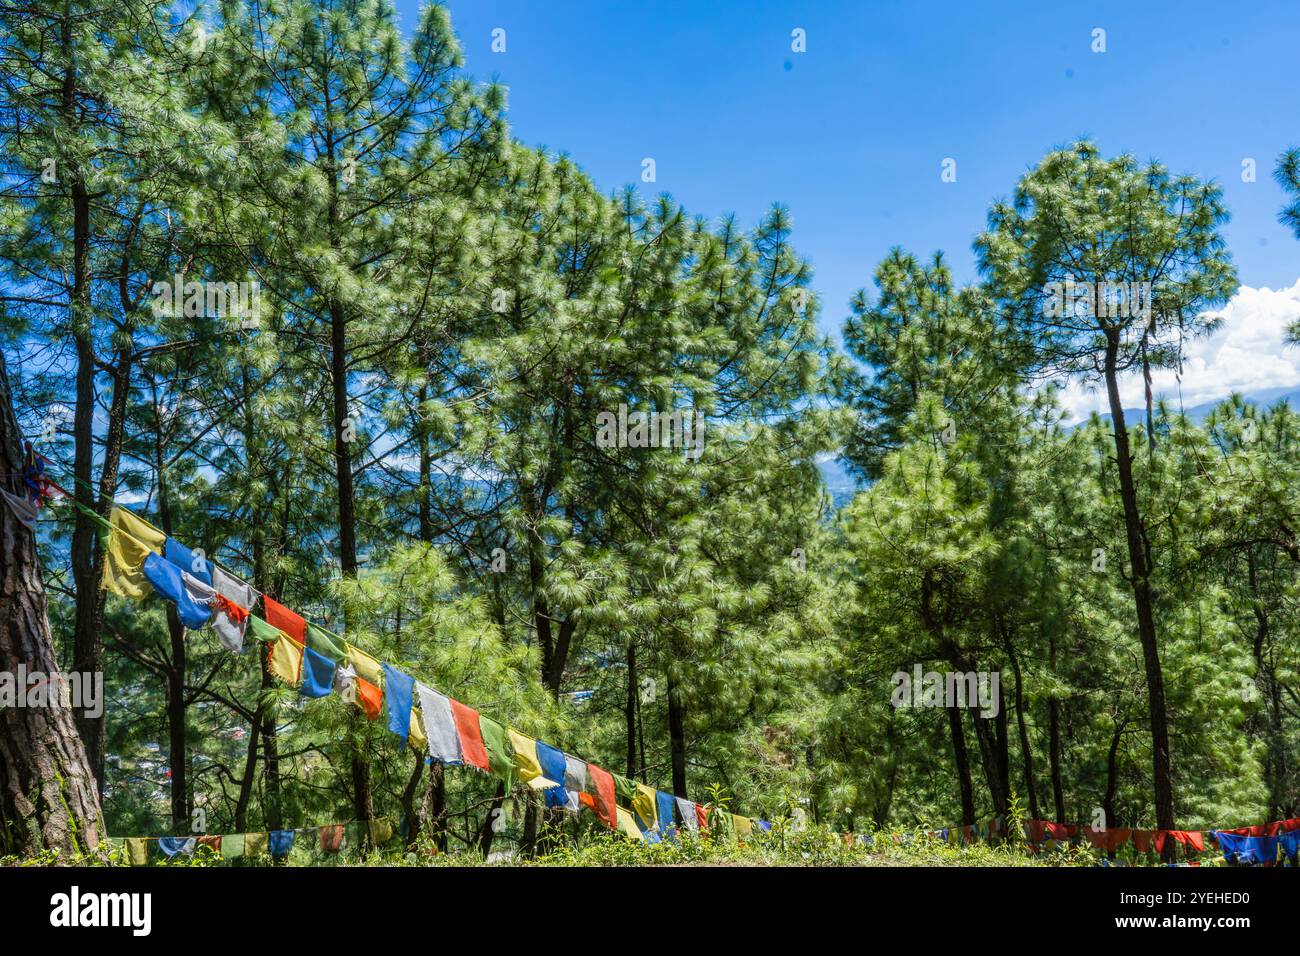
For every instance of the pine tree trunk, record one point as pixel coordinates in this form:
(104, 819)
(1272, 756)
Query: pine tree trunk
(677, 736)
(1140, 575)
(1026, 754)
(48, 796)
(438, 806)
(88, 643)
(363, 799)
(629, 710)
(1054, 741)
(962, 763)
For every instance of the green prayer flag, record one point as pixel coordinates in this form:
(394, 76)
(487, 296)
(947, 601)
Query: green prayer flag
(500, 762)
(232, 845)
(624, 791)
(326, 644)
(262, 630)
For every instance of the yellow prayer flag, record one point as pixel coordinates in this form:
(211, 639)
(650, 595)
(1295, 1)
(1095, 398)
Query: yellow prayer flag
(627, 825)
(255, 844)
(530, 770)
(285, 661)
(129, 544)
(416, 737)
(743, 826)
(137, 851)
(644, 804)
(381, 831)
(367, 667)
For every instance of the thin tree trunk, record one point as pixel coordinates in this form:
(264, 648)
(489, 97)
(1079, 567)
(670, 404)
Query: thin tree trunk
(486, 833)
(48, 798)
(1026, 754)
(1112, 776)
(677, 736)
(87, 639)
(1054, 741)
(409, 809)
(363, 798)
(438, 806)
(629, 710)
(962, 763)
(1143, 601)
(178, 758)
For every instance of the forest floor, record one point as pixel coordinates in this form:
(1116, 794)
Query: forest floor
(813, 848)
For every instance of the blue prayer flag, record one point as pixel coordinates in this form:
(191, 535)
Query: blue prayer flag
(317, 674)
(167, 581)
(399, 690)
(185, 559)
(281, 842)
(552, 763)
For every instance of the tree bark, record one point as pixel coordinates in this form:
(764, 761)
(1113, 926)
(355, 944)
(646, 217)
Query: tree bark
(48, 796)
(1054, 741)
(1143, 601)
(88, 643)
(1026, 754)
(962, 763)
(629, 710)
(677, 736)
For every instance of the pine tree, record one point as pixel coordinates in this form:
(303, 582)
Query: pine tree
(1083, 224)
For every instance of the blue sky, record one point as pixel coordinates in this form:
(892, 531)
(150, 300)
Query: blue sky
(852, 133)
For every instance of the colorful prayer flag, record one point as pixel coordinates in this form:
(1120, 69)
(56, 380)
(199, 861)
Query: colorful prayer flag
(576, 781)
(554, 767)
(605, 800)
(524, 749)
(331, 838)
(399, 692)
(291, 622)
(188, 560)
(169, 581)
(627, 825)
(137, 851)
(132, 540)
(317, 674)
(439, 725)
(644, 804)
(281, 842)
(284, 658)
(500, 762)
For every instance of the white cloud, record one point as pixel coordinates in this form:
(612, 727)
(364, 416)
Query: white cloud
(1247, 354)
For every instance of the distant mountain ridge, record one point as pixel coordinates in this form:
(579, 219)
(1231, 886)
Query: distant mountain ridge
(842, 487)
(1265, 397)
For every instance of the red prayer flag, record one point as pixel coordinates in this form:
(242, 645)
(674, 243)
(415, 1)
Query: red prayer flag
(292, 623)
(1142, 840)
(604, 783)
(331, 838)
(471, 738)
(369, 698)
